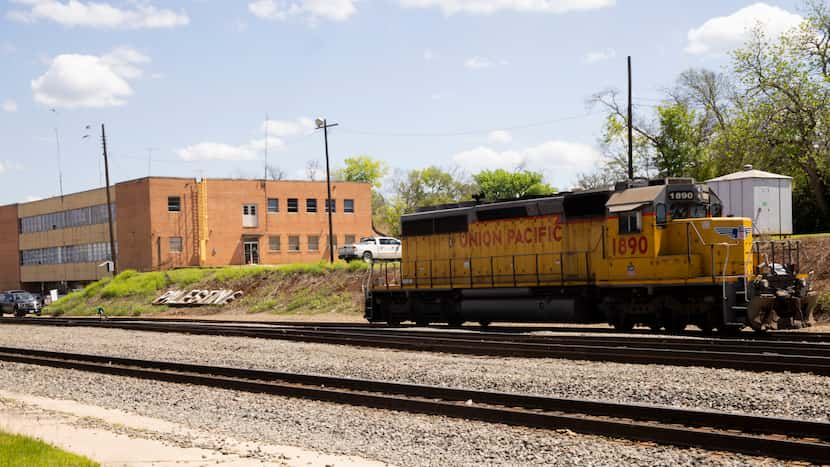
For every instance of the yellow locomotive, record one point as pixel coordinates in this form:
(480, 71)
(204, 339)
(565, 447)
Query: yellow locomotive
(651, 252)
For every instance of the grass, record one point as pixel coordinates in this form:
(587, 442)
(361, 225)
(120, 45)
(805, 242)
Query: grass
(22, 451)
(130, 292)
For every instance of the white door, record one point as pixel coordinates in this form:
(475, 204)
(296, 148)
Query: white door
(249, 215)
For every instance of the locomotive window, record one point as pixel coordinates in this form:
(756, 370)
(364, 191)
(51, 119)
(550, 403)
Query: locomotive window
(629, 222)
(660, 214)
(679, 211)
(717, 210)
(698, 211)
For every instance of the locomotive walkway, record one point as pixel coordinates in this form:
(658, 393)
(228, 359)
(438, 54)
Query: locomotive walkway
(749, 355)
(765, 436)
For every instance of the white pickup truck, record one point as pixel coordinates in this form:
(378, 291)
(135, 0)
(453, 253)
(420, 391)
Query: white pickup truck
(372, 248)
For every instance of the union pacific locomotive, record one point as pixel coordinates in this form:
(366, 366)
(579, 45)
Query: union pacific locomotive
(648, 252)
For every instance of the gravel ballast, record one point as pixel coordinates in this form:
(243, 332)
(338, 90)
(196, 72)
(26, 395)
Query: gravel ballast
(398, 438)
(796, 395)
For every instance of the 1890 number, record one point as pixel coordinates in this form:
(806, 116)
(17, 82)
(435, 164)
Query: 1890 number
(631, 245)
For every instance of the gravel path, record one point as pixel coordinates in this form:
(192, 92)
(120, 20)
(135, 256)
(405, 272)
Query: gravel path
(778, 394)
(399, 438)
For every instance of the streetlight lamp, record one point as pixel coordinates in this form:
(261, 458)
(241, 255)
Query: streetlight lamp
(321, 123)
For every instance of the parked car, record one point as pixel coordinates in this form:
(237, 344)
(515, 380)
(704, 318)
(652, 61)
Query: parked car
(372, 248)
(19, 303)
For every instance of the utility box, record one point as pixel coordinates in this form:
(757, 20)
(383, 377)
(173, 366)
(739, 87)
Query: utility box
(764, 197)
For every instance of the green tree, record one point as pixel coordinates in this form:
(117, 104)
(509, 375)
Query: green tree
(501, 184)
(679, 144)
(786, 100)
(363, 169)
(425, 187)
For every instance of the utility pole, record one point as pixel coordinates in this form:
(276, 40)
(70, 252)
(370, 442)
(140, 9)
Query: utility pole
(109, 202)
(321, 123)
(630, 127)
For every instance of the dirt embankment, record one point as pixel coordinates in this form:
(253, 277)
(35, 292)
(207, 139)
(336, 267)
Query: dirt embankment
(815, 256)
(293, 290)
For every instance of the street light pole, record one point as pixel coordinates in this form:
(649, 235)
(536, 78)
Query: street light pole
(321, 123)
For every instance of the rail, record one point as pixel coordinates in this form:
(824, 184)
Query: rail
(785, 438)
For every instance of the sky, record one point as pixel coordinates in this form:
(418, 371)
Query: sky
(204, 88)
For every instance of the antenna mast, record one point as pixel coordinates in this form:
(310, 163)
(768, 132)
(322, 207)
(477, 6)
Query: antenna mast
(630, 127)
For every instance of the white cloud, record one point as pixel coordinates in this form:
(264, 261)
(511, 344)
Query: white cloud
(723, 33)
(559, 161)
(310, 10)
(486, 7)
(74, 13)
(75, 80)
(7, 166)
(478, 63)
(9, 105)
(499, 137)
(428, 55)
(277, 129)
(599, 56)
(282, 128)
(216, 151)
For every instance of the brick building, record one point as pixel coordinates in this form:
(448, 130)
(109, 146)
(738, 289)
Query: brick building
(162, 223)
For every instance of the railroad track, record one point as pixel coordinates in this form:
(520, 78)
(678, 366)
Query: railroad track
(713, 353)
(522, 329)
(756, 435)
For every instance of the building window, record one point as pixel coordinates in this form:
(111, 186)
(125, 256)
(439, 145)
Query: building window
(333, 204)
(313, 243)
(273, 205)
(249, 217)
(175, 244)
(274, 243)
(293, 243)
(348, 239)
(311, 205)
(292, 205)
(629, 222)
(174, 204)
(348, 205)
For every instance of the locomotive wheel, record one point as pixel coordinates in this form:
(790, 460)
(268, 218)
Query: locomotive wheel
(484, 323)
(455, 323)
(623, 323)
(422, 323)
(677, 326)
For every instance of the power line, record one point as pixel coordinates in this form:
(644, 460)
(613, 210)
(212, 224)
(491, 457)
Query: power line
(469, 132)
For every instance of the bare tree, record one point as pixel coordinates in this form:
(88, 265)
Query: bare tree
(312, 169)
(274, 172)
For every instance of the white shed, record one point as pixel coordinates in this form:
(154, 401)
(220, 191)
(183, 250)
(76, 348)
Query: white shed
(764, 197)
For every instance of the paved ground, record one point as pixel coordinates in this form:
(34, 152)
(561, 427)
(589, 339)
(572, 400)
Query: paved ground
(115, 438)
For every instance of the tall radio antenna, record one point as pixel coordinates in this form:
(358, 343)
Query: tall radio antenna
(266, 148)
(630, 127)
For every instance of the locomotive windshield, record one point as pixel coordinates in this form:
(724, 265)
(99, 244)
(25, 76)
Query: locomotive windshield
(693, 203)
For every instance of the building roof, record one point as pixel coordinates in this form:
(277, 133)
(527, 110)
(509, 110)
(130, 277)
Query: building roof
(748, 172)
